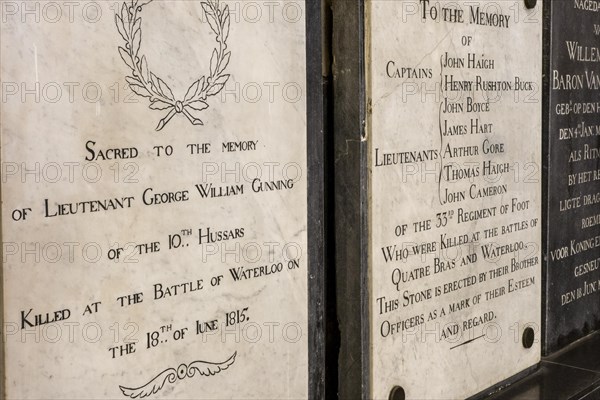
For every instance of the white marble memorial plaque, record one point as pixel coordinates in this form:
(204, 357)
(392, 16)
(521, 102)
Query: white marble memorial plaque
(454, 122)
(154, 199)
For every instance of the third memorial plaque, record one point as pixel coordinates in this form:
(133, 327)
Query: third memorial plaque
(572, 306)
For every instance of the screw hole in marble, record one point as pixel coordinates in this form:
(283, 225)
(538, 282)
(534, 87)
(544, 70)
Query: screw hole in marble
(528, 337)
(397, 393)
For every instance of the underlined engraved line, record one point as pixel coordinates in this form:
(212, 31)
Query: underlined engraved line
(467, 342)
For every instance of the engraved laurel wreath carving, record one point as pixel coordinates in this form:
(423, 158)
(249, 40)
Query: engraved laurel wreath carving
(145, 83)
(172, 375)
